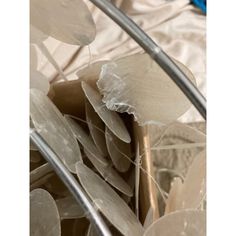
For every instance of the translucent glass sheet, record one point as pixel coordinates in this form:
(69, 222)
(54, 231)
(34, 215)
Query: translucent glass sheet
(44, 216)
(120, 152)
(137, 85)
(66, 20)
(109, 202)
(53, 127)
(110, 118)
(181, 223)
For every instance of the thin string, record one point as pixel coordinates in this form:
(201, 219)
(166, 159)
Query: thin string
(133, 162)
(154, 147)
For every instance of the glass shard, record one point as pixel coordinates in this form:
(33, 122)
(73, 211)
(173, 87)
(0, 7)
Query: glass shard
(53, 127)
(44, 216)
(120, 152)
(181, 223)
(110, 118)
(69, 208)
(110, 175)
(137, 85)
(85, 140)
(109, 202)
(68, 21)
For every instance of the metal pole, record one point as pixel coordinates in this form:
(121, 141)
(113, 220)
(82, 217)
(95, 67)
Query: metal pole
(160, 57)
(71, 183)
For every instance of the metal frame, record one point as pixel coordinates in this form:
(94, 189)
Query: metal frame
(161, 58)
(70, 182)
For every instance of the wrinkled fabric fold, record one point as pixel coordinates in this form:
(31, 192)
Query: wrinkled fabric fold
(177, 26)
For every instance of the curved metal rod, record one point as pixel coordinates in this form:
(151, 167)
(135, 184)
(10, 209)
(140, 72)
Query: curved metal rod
(71, 183)
(160, 57)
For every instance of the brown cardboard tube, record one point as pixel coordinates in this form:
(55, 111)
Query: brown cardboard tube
(147, 192)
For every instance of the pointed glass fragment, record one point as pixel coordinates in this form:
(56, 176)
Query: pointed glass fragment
(69, 208)
(181, 223)
(120, 152)
(85, 140)
(66, 20)
(110, 118)
(109, 202)
(137, 85)
(110, 175)
(44, 216)
(53, 127)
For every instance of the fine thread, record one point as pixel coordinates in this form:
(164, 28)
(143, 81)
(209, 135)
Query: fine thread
(133, 162)
(154, 147)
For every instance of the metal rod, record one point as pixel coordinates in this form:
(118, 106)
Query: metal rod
(160, 57)
(71, 183)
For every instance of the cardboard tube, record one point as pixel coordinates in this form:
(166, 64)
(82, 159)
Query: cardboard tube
(147, 192)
